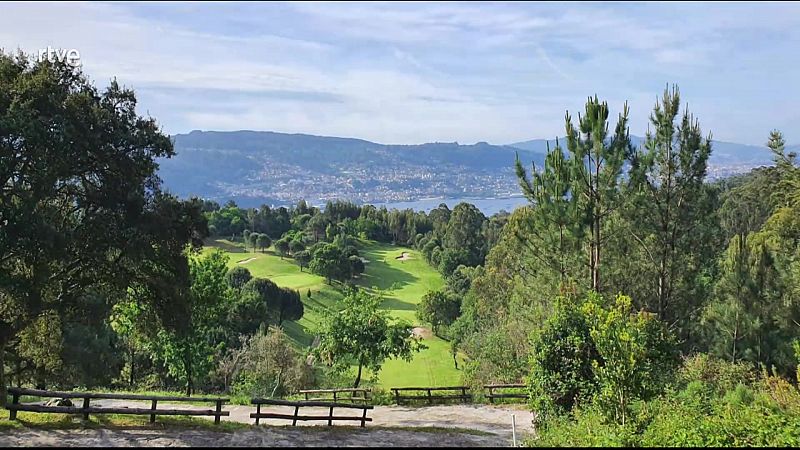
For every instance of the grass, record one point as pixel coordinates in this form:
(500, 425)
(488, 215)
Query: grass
(49, 421)
(403, 283)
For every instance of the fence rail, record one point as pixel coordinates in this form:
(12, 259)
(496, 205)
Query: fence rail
(353, 397)
(87, 409)
(258, 415)
(493, 395)
(464, 395)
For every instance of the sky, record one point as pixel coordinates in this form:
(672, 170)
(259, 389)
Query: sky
(407, 73)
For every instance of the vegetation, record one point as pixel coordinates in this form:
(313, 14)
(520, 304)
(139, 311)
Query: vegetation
(641, 304)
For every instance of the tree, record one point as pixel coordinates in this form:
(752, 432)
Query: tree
(356, 265)
(330, 262)
(362, 334)
(290, 306)
(246, 238)
(268, 298)
(591, 173)
(252, 239)
(464, 233)
(438, 308)
(73, 162)
(302, 258)
(187, 353)
(671, 210)
(282, 247)
(238, 277)
(263, 241)
(636, 354)
(296, 245)
(270, 366)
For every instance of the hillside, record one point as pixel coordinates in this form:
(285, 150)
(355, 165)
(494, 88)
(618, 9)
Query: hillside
(405, 282)
(256, 167)
(264, 167)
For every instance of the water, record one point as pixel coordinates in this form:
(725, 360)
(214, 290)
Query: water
(488, 206)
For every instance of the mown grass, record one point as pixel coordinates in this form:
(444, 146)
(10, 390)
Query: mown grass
(401, 282)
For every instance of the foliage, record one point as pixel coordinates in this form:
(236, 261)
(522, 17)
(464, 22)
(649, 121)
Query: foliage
(363, 335)
(268, 366)
(439, 309)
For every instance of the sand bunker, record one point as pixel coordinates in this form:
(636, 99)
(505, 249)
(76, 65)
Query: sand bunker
(423, 333)
(245, 261)
(404, 257)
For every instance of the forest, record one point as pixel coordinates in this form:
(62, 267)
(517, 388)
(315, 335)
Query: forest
(640, 303)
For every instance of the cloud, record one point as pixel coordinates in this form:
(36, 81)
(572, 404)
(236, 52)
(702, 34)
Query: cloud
(414, 72)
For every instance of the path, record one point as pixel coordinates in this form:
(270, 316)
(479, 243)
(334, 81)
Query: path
(485, 418)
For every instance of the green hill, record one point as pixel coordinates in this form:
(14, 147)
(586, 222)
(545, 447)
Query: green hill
(404, 282)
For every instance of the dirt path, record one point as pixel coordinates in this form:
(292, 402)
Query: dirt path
(485, 418)
(257, 437)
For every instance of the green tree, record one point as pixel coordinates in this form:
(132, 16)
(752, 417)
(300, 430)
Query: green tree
(330, 262)
(188, 353)
(439, 309)
(296, 245)
(591, 174)
(302, 258)
(464, 233)
(362, 334)
(80, 203)
(238, 277)
(252, 239)
(671, 214)
(263, 241)
(282, 247)
(636, 354)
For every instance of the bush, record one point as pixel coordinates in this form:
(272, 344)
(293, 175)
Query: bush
(561, 362)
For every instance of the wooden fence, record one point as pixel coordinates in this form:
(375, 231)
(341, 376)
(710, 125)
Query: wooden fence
(86, 409)
(258, 415)
(464, 395)
(504, 391)
(355, 394)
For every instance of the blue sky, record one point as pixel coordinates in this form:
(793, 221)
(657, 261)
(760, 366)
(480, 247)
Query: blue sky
(421, 72)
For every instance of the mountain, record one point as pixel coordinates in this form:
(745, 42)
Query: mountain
(727, 158)
(254, 167)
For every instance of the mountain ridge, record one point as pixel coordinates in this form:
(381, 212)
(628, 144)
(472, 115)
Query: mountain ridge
(255, 167)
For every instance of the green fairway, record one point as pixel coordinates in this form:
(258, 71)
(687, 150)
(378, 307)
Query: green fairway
(403, 282)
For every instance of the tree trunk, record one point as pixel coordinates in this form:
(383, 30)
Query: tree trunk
(277, 383)
(3, 390)
(187, 364)
(358, 377)
(133, 362)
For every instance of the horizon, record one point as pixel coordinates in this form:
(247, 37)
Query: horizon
(428, 72)
(511, 144)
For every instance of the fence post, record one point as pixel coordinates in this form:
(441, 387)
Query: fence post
(12, 413)
(430, 398)
(491, 394)
(396, 396)
(330, 417)
(85, 407)
(334, 396)
(258, 412)
(153, 405)
(364, 418)
(219, 412)
(296, 409)
(464, 395)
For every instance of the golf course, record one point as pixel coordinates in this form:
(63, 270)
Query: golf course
(400, 274)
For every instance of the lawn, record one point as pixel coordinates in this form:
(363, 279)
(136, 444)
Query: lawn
(402, 282)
